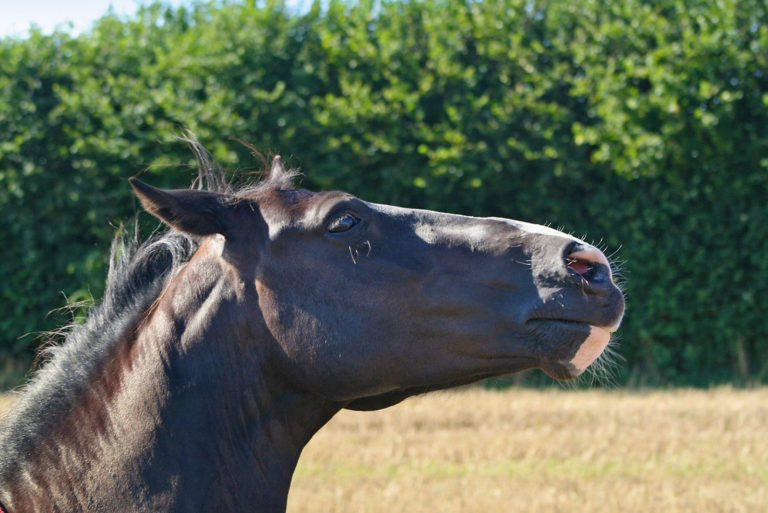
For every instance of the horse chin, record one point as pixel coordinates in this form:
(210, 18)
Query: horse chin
(589, 351)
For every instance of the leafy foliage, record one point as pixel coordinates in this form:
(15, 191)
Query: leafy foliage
(643, 122)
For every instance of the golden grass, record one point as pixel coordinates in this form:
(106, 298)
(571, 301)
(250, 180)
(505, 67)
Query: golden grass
(545, 451)
(6, 401)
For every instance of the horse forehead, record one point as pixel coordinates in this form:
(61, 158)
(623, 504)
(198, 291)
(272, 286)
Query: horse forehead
(296, 207)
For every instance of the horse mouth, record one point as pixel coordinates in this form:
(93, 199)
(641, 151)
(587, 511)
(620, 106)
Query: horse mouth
(564, 363)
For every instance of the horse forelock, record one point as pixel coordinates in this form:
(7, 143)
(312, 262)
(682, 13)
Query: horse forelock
(212, 177)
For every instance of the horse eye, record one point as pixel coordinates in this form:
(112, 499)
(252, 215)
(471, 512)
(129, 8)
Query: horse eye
(342, 223)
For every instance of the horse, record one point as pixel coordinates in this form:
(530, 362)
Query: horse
(222, 345)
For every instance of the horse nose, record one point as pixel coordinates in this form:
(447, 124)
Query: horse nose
(589, 265)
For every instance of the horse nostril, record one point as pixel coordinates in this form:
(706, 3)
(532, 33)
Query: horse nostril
(580, 267)
(588, 262)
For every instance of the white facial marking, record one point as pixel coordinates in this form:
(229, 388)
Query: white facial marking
(592, 347)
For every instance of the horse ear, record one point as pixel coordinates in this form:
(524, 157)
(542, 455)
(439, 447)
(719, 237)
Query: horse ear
(188, 210)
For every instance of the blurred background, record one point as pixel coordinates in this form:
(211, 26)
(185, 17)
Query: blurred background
(640, 125)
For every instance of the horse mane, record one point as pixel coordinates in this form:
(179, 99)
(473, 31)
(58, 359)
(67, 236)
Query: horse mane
(138, 273)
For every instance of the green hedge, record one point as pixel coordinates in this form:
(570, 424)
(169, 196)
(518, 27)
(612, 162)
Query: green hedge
(643, 124)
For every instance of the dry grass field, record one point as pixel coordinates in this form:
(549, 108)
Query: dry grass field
(6, 400)
(545, 451)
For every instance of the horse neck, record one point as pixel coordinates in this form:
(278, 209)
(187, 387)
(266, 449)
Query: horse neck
(186, 417)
